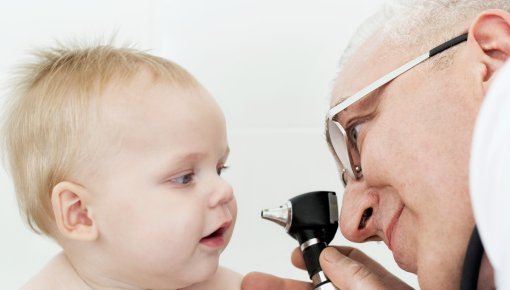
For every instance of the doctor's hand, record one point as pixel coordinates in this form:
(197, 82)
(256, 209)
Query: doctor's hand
(350, 269)
(346, 267)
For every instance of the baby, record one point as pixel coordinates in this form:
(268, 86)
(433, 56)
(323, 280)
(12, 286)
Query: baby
(116, 154)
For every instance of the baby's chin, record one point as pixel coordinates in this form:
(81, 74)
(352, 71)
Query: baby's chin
(198, 277)
(176, 272)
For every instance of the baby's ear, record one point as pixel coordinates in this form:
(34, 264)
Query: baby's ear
(73, 215)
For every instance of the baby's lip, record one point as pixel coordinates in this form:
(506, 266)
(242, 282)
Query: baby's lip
(220, 230)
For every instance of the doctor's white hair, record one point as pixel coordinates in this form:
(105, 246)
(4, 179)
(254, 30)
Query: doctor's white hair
(416, 26)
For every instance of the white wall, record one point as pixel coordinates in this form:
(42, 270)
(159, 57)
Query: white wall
(270, 65)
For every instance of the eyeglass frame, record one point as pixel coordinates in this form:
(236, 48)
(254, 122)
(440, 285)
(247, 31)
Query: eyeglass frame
(354, 170)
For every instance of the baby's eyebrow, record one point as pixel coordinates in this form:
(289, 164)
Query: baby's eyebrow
(194, 156)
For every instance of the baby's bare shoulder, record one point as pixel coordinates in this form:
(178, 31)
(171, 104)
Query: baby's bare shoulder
(45, 279)
(38, 283)
(56, 274)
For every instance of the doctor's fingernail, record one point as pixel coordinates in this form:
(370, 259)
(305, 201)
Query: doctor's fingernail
(331, 255)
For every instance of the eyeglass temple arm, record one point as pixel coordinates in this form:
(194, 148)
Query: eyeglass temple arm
(448, 44)
(392, 75)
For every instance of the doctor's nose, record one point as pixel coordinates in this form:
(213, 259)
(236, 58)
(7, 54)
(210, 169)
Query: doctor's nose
(357, 216)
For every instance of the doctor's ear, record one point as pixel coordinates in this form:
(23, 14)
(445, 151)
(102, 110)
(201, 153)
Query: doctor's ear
(73, 215)
(489, 34)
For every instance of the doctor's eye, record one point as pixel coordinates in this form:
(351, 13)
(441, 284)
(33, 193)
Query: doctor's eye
(183, 179)
(220, 169)
(354, 132)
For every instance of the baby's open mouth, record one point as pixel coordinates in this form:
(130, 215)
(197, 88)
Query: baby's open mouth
(217, 233)
(215, 239)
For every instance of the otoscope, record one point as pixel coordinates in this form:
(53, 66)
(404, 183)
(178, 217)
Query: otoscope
(312, 219)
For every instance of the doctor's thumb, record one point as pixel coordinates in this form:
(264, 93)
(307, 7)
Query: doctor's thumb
(349, 274)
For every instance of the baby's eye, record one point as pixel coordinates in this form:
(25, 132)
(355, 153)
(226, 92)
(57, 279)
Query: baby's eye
(220, 169)
(183, 179)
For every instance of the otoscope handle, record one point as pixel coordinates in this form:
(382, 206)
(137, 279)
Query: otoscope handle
(326, 286)
(311, 253)
(311, 250)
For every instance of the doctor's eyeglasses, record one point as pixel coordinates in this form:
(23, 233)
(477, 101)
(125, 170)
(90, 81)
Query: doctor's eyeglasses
(343, 141)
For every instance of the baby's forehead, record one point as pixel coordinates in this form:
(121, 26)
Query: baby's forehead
(146, 102)
(124, 88)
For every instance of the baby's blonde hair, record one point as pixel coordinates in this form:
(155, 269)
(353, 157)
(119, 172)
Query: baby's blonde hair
(48, 109)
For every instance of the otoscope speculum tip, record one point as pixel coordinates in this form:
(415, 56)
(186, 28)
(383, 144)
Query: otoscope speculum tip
(281, 215)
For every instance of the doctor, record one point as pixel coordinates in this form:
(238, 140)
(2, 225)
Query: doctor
(400, 127)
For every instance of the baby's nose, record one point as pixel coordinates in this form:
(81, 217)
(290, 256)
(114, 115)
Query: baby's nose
(222, 193)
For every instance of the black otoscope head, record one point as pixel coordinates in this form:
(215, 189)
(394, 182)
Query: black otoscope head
(312, 219)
